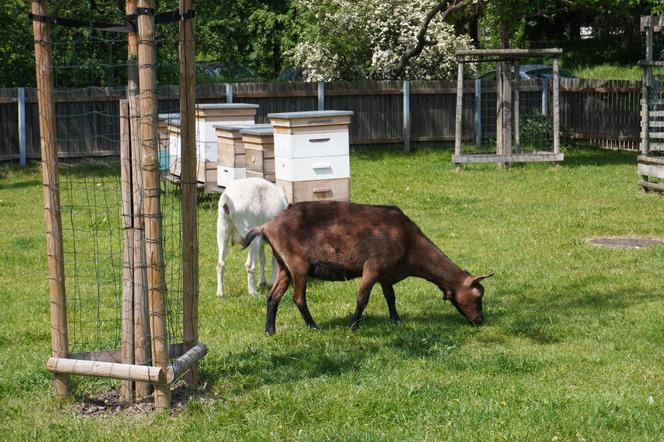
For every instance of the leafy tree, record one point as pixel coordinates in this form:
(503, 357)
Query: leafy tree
(346, 40)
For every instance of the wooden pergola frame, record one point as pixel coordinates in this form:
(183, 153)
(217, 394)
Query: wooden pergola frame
(507, 115)
(650, 166)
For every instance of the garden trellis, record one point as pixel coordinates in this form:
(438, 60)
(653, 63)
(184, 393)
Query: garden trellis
(122, 241)
(651, 161)
(527, 122)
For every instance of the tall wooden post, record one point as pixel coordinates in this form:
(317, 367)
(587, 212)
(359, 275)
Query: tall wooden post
(127, 344)
(49, 155)
(458, 115)
(504, 111)
(152, 209)
(141, 322)
(189, 191)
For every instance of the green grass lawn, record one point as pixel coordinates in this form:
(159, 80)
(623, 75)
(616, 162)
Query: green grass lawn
(572, 347)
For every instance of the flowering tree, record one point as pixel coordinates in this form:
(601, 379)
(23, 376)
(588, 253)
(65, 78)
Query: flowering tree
(346, 40)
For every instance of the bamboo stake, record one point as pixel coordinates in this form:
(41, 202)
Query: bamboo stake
(127, 372)
(49, 154)
(189, 190)
(152, 210)
(127, 345)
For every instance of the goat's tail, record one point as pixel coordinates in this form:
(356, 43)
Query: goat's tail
(253, 233)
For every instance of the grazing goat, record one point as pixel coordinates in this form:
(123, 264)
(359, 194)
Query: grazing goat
(336, 241)
(245, 204)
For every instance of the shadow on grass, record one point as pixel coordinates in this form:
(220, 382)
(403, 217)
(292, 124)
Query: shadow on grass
(334, 350)
(589, 156)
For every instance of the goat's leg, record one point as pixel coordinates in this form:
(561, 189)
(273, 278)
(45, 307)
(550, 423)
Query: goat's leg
(222, 243)
(300, 299)
(275, 268)
(388, 292)
(366, 284)
(251, 267)
(261, 263)
(273, 299)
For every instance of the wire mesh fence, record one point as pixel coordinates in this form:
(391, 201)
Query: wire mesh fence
(85, 61)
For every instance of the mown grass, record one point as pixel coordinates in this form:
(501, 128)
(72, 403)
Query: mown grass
(609, 72)
(572, 348)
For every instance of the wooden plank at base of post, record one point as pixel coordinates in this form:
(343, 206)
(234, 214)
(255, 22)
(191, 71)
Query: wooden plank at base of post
(513, 158)
(128, 372)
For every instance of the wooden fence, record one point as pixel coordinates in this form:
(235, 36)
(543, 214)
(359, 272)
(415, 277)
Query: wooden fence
(596, 112)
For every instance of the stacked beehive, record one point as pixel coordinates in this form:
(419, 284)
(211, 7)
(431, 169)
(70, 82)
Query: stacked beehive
(173, 134)
(207, 116)
(258, 143)
(312, 154)
(230, 154)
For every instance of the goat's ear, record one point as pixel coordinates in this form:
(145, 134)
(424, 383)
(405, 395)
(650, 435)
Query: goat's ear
(478, 279)
(447, 294)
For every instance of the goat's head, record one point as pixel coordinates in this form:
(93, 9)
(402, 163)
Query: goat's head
(467, 298)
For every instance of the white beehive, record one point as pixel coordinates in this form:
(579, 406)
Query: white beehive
(312, 154)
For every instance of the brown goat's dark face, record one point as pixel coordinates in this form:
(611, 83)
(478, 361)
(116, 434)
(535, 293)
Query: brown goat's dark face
(467, 298)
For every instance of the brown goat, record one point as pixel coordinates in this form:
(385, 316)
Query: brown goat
(337, 241)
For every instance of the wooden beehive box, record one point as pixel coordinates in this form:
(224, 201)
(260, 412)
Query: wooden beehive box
(312, 154)
(230, 154)
(207, 116)
(258, 142)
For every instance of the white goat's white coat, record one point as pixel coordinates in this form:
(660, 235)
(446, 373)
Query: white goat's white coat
(245, 204)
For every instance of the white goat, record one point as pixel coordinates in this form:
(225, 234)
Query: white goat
(245, 204)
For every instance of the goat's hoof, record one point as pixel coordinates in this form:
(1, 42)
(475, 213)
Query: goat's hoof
(354, 326)
(220, 295)
(313, 326)
(270, 332)
(396, 320)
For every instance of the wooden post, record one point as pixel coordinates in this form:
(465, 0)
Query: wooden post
(152, 209)
(406, 116)
(189, 191)
(478, 111)
(127, 344)
(504, 110)
(229, 92)
(515, 93)
(22, 145)
(499, 107)
(458, 114)
(49, 155)
(321, 95)
(141, 322)
(556, 106)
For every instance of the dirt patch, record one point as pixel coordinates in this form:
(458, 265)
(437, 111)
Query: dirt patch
(625, 242)
(108, 402)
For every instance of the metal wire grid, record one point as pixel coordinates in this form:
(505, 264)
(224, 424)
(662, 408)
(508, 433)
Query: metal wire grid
(84, 60)
(535, 119)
